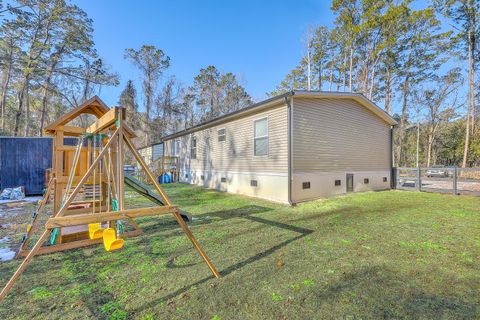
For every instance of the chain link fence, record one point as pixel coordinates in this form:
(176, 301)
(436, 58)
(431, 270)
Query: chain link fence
(454, 180)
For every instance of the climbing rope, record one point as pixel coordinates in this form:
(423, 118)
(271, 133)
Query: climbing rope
(109, 181)
(94, 174)
(100, 171)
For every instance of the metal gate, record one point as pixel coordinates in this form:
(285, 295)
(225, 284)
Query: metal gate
(454, 180)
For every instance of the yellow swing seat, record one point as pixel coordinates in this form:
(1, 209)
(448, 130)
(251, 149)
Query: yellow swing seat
(110, 240)
(95, 230)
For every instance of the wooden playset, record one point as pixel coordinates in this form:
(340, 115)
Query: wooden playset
(87, 184)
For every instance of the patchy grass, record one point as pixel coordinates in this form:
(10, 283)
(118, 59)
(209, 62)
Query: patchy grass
(370, 255)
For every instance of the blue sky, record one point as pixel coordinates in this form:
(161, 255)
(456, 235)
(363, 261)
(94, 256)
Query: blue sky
(260, 41)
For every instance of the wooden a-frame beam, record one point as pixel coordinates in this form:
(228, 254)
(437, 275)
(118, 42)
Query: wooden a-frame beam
(176, 215)
(83, 219)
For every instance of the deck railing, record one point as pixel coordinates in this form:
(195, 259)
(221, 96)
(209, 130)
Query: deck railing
(160, 166)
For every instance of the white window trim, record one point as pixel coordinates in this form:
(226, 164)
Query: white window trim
(223, 134)
(267, 136)
(191, 147)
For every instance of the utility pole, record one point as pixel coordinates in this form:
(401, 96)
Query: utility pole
(418, 140)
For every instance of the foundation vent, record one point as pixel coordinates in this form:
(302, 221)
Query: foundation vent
(366, 181)
(338, 183)
(223, 179)
(306, 185)
(253, 183)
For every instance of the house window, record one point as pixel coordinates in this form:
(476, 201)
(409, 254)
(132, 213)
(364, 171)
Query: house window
(366, 181)
(193, 148)
(175, 148)
(306, 185)
(338, 183)
(222, 135)
(260, 140)
(253, 183)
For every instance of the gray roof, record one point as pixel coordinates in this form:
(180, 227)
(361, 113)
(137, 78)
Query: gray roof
(300, 93)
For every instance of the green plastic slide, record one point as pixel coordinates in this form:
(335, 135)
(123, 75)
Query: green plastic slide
(145, 191)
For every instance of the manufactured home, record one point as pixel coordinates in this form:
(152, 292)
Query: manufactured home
(294, 147)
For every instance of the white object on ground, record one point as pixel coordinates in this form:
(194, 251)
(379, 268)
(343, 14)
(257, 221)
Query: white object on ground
(6, 254)
(12, 194)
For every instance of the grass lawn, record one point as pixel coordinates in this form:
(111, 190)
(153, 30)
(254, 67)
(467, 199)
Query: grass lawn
(370, 255)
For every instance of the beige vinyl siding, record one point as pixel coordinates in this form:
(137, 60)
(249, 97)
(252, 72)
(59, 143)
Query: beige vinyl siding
(146, 154)
(338, 135)
(236, 154)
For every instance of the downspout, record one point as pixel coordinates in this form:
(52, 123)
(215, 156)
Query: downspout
(288, 101)
(393, 176)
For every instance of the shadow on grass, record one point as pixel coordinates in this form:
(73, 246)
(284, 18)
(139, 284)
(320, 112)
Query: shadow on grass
(357, 211)
(246, 213)
(383, 293)
(223, 273)
(208, 218)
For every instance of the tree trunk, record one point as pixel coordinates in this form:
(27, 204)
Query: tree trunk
(351, 68)
(44, 106)
(309, 73)
(432, 130)
(387, 90)
(46, 91)
(344, 70)
(372, 81)
(331, 79)
(320, 76)
(429, 150)
(471, 97)
(27, 109)
(473, 50)
(406, 88)
(3, 99)
(19, 112)
(417, 155)
(366, 73)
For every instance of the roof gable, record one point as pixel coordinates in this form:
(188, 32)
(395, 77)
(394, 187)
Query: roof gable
(360, 98)
(94, 106)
